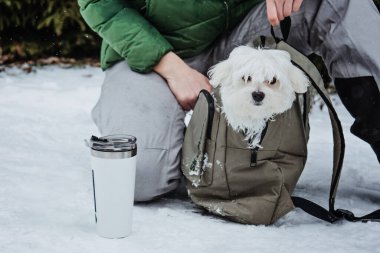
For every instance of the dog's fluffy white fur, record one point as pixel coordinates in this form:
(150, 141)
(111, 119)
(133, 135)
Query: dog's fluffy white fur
(249, 75)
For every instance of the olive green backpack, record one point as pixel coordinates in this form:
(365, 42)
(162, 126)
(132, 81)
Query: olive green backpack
(254, 186)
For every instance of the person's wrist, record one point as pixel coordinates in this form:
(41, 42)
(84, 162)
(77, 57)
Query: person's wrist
(169, 64)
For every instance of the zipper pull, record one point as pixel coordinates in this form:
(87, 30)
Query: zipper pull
(254, 157)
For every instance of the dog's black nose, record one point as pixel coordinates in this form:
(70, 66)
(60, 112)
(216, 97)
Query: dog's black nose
(258, 96)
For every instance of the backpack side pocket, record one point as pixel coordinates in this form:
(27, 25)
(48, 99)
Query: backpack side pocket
(196, 155)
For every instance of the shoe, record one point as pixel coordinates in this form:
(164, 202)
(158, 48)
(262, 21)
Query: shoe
(376, 148)
(361, 97)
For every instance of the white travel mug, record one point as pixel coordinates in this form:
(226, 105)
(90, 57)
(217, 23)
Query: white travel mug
(113, 161)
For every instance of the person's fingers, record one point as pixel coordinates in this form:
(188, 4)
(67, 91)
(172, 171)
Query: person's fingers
(188, 102)
(272, 12)
(280, 9)
(183, 101)
(186, 106)
(208, 86)
(192, 104)
(288, 7)
(277, 10)
(297, 5)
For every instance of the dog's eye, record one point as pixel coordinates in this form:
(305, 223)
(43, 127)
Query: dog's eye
(274, 80)
(249, 79)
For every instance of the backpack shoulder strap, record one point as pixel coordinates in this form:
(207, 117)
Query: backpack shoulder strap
(330, 215)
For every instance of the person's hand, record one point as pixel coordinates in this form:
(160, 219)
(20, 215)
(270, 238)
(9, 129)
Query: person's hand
(277, 10)
(184, 82)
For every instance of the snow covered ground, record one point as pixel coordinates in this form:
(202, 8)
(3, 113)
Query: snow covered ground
(46, 202)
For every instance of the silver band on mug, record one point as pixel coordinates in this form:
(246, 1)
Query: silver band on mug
(114, 155)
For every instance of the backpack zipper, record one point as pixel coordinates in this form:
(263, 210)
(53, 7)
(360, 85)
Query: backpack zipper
(256, 149)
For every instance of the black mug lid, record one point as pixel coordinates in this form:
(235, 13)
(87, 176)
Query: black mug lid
(112, 143)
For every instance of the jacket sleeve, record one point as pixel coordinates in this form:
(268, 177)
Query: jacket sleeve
(126, 31)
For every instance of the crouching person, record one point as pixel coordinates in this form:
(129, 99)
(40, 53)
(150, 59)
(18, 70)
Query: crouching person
(156, 57)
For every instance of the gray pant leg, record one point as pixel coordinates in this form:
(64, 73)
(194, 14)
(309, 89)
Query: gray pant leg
(142, 105)
(345, 33)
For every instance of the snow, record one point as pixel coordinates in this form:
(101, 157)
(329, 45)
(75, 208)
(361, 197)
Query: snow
(46, 202)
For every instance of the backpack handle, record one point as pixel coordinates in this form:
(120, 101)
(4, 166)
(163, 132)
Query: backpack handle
(285, 29)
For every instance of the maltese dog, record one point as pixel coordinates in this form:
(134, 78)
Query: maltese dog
(255, 85)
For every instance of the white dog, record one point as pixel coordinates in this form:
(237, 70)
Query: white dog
(255, 85)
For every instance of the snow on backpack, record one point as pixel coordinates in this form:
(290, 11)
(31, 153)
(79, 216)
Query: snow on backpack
(254, 186)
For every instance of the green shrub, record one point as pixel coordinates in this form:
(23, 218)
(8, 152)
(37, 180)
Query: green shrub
(38, 28)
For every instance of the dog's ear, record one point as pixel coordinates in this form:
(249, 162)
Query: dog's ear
(298, 79)
(220, 73)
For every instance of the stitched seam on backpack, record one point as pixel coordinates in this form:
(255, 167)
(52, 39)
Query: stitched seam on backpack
(225, 165)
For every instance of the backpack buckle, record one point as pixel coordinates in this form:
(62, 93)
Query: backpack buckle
(348, 215)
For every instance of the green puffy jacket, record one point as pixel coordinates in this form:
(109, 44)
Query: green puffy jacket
(142, 31)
